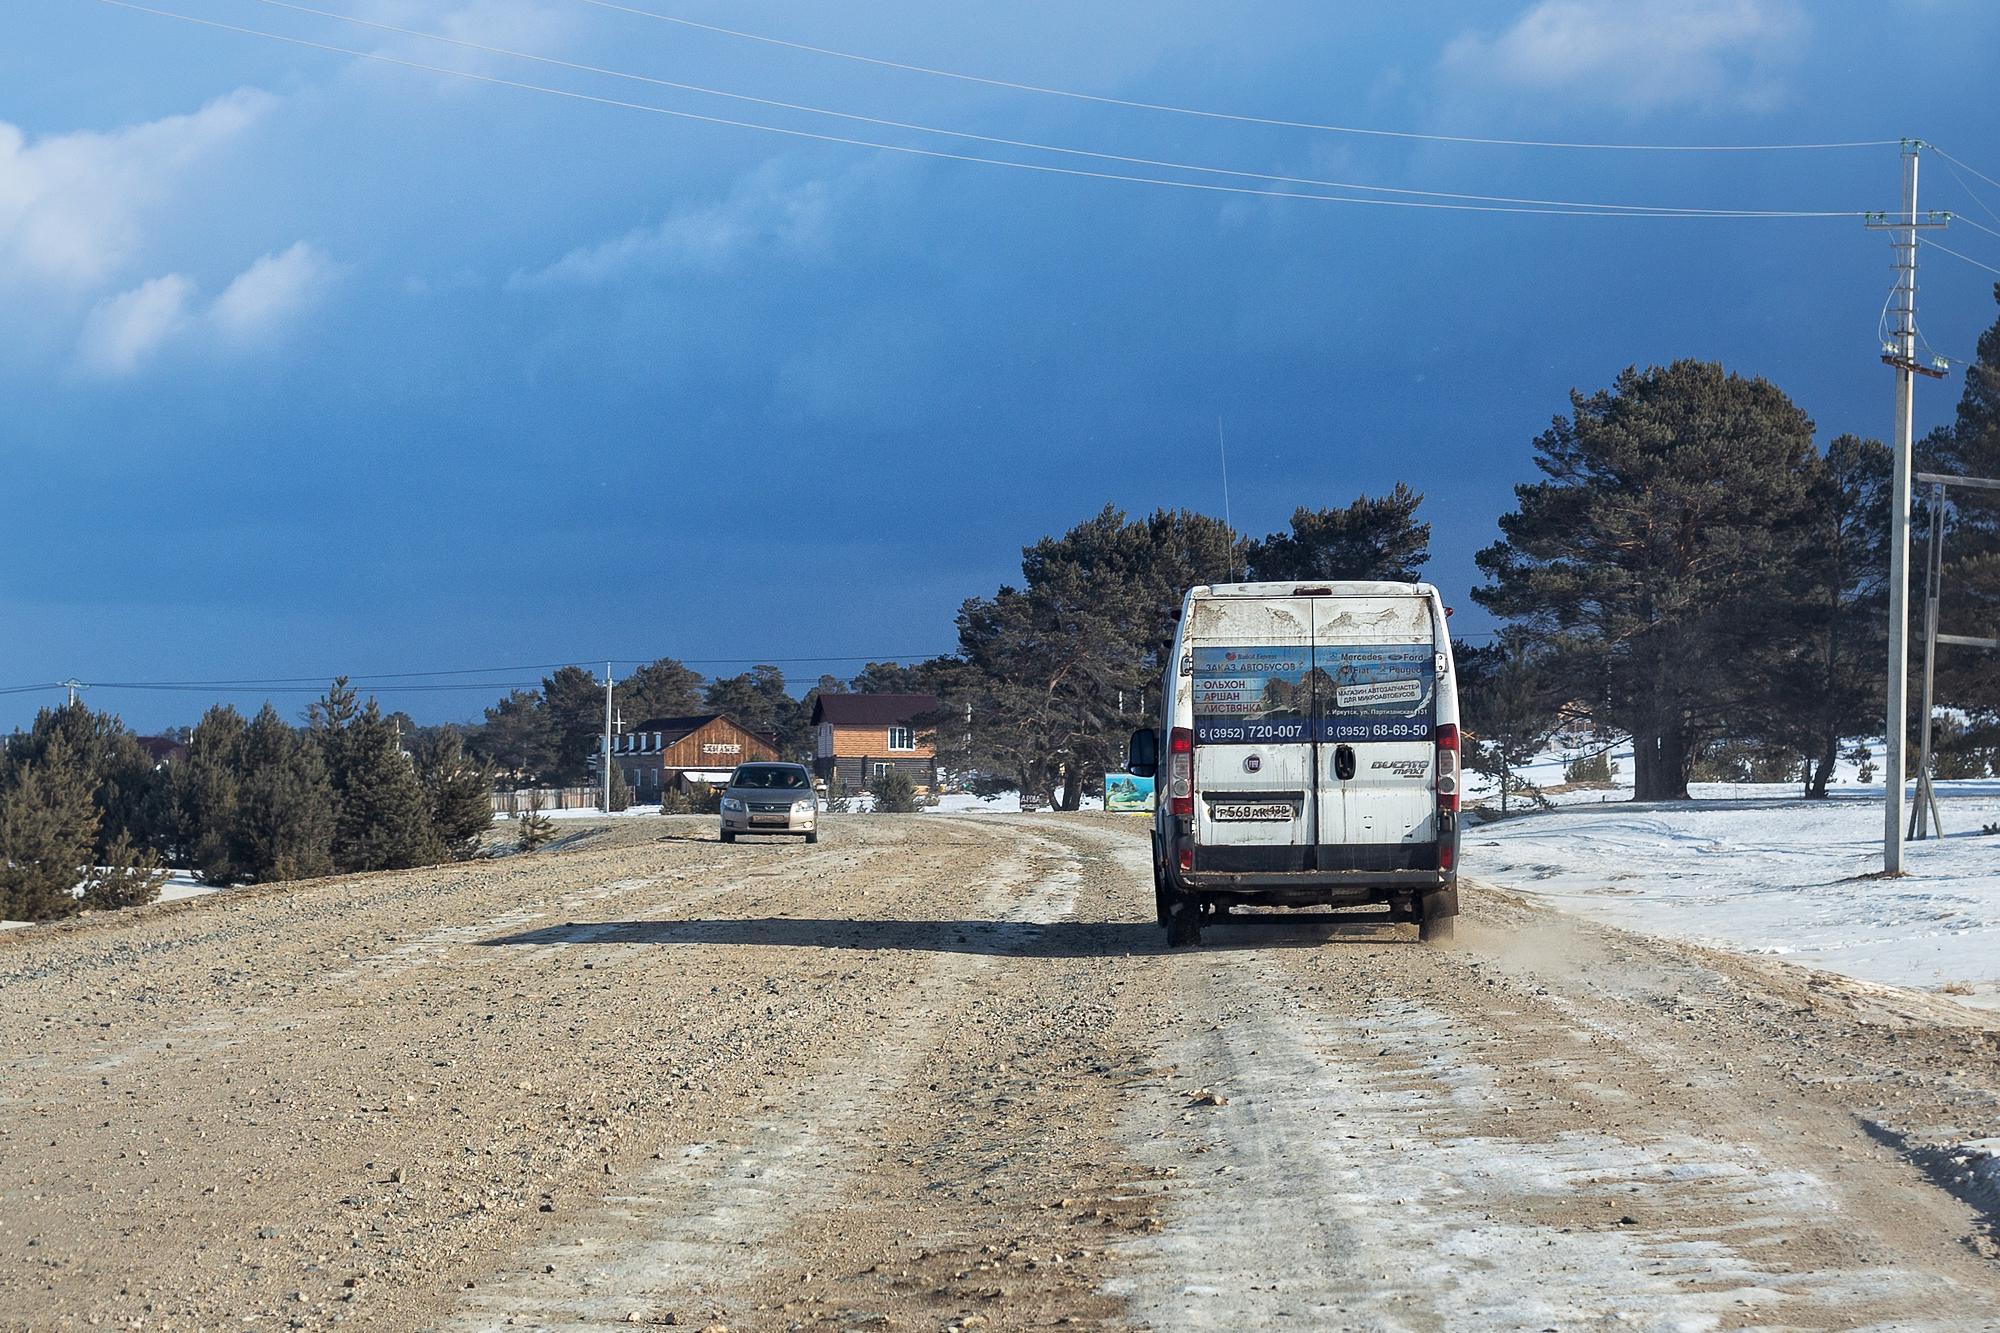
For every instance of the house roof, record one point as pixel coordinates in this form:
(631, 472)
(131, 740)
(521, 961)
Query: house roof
(871, 710)
(675, 729)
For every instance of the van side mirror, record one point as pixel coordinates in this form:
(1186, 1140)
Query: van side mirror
(1142, 758)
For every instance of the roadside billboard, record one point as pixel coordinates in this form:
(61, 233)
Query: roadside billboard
(1125, 794)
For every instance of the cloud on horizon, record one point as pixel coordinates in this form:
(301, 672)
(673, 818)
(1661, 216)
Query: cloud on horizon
(1639, 57)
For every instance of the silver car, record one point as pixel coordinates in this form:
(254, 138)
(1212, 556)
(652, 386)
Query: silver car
(770, 798)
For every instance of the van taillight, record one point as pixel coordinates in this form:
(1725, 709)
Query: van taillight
(1447, 770)
(1180, 772)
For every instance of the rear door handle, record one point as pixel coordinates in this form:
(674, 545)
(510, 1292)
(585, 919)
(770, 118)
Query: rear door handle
(1343, 762)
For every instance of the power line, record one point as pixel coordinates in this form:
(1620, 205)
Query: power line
(1000, 141)
(913, 151)
(1238, 117)
(1967, 165)
(1956, 255)
(1975, 223)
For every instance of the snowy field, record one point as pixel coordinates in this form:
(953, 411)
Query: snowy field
(1757, 868)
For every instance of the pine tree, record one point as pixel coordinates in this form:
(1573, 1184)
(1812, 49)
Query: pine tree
(285, 806)
(121, 776)
(383, 821)
(48, 833)
(666, 688)
(1508, 716)
(1372, 538)
(895, 794)
(203, 791)
(535, 828)
(621, 790)
(124, 876)
(459, 791)
(1673, 503)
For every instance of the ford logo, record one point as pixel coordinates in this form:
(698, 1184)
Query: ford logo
(1253, 763)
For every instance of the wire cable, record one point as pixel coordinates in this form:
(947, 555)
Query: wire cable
(999, 141)
(1956, 255)
(1967, 165)
(1970, 193)
(940, 154)
(1976, 223)
(1132, 104)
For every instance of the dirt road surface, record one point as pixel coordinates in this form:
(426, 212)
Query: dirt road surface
(940, 1073)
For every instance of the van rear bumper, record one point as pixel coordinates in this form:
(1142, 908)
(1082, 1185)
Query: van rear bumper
(1313, 884)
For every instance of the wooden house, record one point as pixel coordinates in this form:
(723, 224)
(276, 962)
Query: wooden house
(664, 752)
(862, 736)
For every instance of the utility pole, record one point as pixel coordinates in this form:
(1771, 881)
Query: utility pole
(1901, 354)
(607, 738)
(73, 685)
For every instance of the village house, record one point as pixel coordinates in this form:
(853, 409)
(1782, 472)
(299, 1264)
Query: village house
(678, 752)
(862, 736)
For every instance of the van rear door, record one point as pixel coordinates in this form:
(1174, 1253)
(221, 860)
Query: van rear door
(1251, 662)
(1375, 693)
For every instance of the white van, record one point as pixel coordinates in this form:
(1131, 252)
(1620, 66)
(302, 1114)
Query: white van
(1310, 754)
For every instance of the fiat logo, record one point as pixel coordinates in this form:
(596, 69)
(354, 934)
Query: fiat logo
(1253, 763)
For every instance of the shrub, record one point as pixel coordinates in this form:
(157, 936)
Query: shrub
(698, 799)
(895, 794)
(1589, 768)
(536, 827)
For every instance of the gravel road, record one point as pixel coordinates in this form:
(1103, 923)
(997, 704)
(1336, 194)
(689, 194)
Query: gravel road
(938, 1072)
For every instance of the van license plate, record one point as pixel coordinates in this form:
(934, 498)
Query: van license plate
(1275, 812)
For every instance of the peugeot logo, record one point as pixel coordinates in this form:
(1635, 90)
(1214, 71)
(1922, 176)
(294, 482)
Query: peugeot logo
(1253, 763)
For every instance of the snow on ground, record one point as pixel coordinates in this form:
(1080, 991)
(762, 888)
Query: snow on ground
(1762, 870)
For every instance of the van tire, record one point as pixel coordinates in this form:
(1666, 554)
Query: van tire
(1184, 924)
(1440, 916)
(1163, 903)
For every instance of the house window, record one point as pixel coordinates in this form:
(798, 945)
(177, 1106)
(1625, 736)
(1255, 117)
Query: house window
(656, 740)
(880, 769)
(901, 738)
(825, 738)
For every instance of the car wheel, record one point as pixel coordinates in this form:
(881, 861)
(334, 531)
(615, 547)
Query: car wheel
(813, 836)
(727, 836)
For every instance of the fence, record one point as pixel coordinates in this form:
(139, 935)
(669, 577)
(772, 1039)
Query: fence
(512, 803)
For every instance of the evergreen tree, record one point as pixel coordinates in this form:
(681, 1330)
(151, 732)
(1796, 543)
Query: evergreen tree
(516, 738)
(48, 830)
(459, 791)
(1671, 502)
(383, 820)
(285, 809)
(535, 828)
(121, 775)
(759, 701)
(895, 794)
(203, 792)
(1372, 538)
(666, 688)
(621, 790)
(1969, 447)
(573, 701)
(124, 875)
(1508, 716)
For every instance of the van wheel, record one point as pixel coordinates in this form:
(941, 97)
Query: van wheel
(1163, 905)
(1184, 924)
(1440, 916)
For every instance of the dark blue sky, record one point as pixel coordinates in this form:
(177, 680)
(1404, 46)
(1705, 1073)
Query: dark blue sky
(315, 364)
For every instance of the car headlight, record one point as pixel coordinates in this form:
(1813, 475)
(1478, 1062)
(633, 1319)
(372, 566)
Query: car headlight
(802, 807)
(732, 804)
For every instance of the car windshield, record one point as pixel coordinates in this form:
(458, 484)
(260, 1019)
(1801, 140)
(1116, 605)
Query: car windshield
(770, 777)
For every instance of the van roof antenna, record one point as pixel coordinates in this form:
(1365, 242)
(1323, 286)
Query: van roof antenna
(1222, 446)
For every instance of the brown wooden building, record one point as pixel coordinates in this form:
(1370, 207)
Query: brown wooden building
(665, 752)
(862, 736)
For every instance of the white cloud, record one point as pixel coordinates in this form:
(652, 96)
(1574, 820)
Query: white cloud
(759, 216)
(271, 293)
(1640, 56)
(73, 206)
(124, 331)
